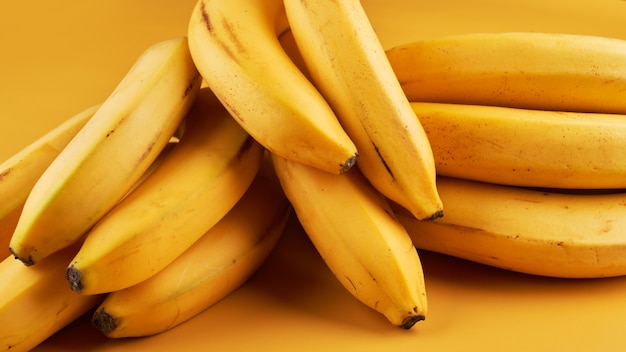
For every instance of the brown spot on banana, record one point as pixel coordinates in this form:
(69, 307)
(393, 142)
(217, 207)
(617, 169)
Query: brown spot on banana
(205, 17)
(230, 108)
(608, 226)
(233, 39)
(208, 23)
(119, 123)
(351, 284)
(192, 83)
(372, 276)
(5, 173)
(146, 152)
(245, 146)
(382, 160)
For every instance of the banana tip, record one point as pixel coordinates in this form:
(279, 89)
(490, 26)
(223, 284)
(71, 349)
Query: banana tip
(436, 215)
(408, 322)
(349, 163)
(28, 261)
(74, 277)
(103, 321)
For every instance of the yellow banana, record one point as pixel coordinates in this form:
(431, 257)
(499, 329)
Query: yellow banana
(9, 221)
(110, 153)
(354, 230)
(524, 147)
(540, 232)
(20, 172)
(195, 186)
(234, 44)
(35, 302)
(348, 65)
(217, 264)
(543, 71)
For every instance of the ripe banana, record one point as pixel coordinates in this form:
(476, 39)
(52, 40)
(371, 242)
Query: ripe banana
(348, 65)
(20, 172)
(234, 44)
(110, 152)
(9, 221)
(543, 71)
(35, 302)
(524, 147)
(216, 265)
(195, 186)
(540, 232)
(353, 228)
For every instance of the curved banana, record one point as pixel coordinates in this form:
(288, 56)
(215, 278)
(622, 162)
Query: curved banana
(8, 223)
(568, 235)
(35, 302)
(235, 45)
(355, 232)
(20, 172)
(216, 265)
(524, 147)
(195, 186)
(23, 169)
(348, 65)
(543, 71)
(110, 152)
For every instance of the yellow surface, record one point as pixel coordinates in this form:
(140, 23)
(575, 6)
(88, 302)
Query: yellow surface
(59, 57)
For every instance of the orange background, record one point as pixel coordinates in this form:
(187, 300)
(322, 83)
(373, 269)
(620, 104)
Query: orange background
(60, 57)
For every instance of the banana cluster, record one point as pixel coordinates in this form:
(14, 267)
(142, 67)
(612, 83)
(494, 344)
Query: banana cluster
(527, 131)
(318, 120)
(154, 205)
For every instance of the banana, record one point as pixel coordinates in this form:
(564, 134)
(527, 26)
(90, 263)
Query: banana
(216, 265)
(523, 147)
(35, 302)
(575, 234)
(195, 186)
(20, 172)
(235, 46)
(348, 65)
(543, 71)
(354, 230)
(9, 221)
(109, 154)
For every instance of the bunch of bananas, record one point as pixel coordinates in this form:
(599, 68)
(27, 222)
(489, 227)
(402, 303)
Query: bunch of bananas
(165, 198)
(527, 131)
